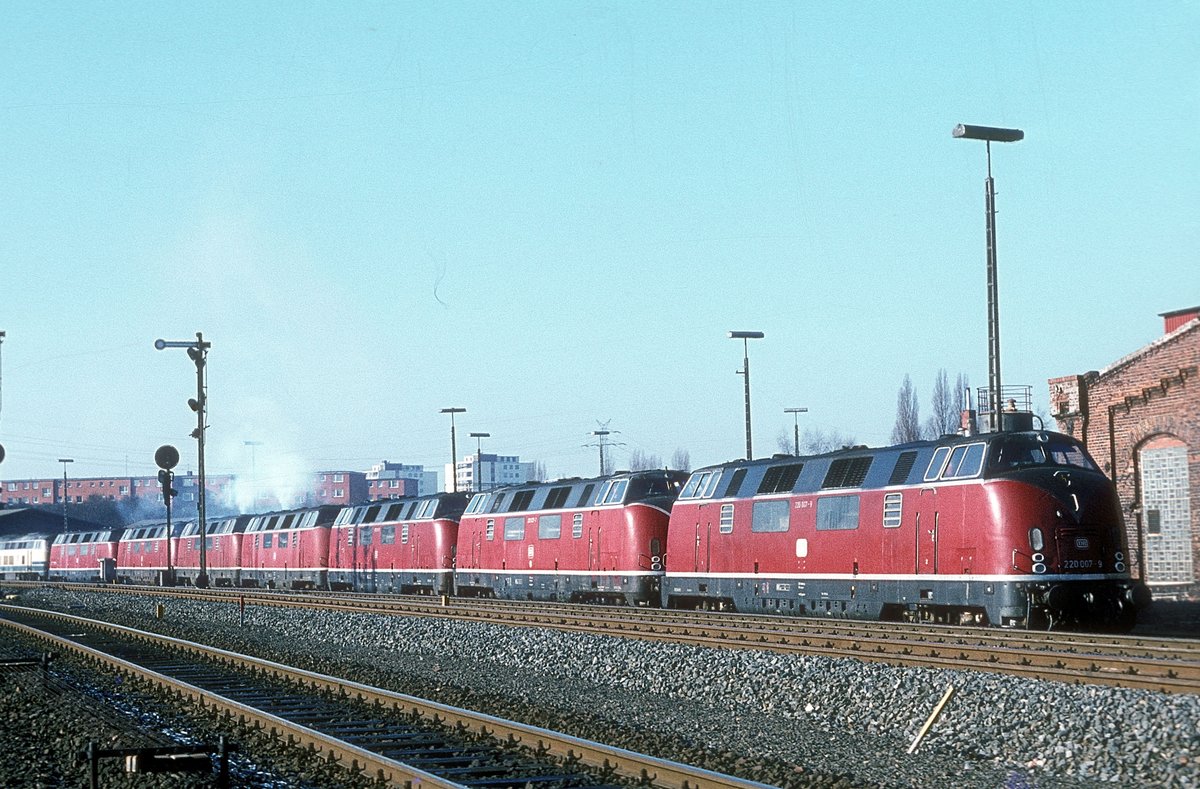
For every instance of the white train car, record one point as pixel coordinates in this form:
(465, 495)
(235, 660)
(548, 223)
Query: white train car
(24, 558)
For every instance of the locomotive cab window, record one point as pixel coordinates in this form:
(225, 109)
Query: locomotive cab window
(965, 461)
(701, 485)
(936, 463)
(614, 491)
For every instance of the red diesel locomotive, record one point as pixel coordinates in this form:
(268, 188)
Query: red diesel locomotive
(400, 545)
(288, 550)
(586, 540)
(222, 551)
(85, 556)
(1011, 529)
(142, 556)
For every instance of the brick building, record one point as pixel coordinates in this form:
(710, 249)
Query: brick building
(49, 490)
(340, 487)
(1140, 419)
(395, 480)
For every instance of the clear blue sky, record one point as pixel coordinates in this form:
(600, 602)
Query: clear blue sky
(552, 214)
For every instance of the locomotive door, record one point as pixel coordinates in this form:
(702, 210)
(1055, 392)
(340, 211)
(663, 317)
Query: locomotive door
(927, 532)
(593, 535)
(701, 555)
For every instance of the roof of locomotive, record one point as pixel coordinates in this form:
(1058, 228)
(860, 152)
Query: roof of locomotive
(849, 467)
(558, 493)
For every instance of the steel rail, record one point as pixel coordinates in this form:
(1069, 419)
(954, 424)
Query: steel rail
(650, 769)
(1165, 665)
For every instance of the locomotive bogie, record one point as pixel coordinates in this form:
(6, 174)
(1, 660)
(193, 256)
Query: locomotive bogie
(634, 589)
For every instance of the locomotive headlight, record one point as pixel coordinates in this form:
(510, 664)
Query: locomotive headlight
(1120, 557)
(1120, 567)
(1036, 540)
(1039, 558)
(1039, 568)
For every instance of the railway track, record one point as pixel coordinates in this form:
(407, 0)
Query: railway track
(395, 738)
(1169, 665)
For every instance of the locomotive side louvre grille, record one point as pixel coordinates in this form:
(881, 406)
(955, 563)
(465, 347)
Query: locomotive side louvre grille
(726, 524)
(847, 472)
(780, 479)
(735, 483)
(903, 465)
(557, 498)
(521, 500)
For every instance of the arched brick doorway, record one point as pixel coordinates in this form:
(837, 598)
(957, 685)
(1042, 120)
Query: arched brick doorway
(1166, 517)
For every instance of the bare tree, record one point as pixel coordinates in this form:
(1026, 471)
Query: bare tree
(908, 415)
(961, 385)
(784, 441)
(945, 416)
(641, 461)
(539, 471)
(815, 441)
(681, 460)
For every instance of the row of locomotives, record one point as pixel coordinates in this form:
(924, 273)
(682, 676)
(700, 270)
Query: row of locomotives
(25, 557)
(597, 540)
(85, 556)
(288, 550)
(222, 551)
(142, 553)
(1016, 529)
(403, 545)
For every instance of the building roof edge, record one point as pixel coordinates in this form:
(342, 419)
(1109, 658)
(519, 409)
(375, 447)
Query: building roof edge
(1190, 326)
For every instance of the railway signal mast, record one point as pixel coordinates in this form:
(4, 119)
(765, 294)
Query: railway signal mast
(167, 457)
(197, 351)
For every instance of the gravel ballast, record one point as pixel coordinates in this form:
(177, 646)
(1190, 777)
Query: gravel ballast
(783, 720)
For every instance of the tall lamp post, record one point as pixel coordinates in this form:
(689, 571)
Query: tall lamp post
(795, 412)
(65, 461)
(479, 459)
(745, 337)
(453, 448)
(197, 351)
(991, 134)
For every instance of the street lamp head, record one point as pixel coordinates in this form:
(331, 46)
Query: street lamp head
(987, 133)
(452, 411)
(481, 435)
(746, 335)
(66, 460)
(795, 410)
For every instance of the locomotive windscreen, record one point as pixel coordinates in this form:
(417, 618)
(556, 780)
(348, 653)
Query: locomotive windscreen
(1022, 450)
